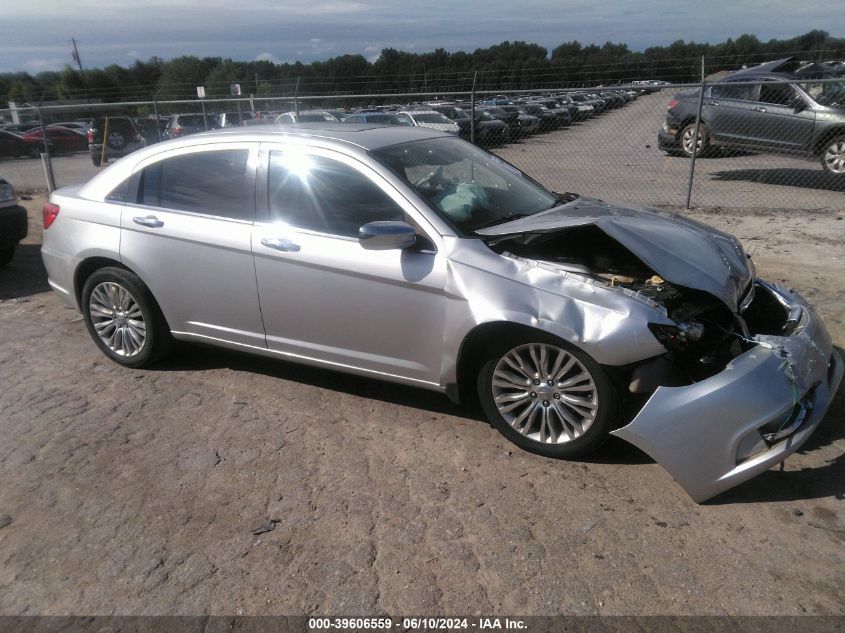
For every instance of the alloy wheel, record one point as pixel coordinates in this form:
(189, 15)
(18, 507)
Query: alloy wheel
(687, 139)
(834, 157)
(117, 319)
(545, 393)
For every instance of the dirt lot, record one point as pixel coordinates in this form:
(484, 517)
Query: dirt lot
(138, 492)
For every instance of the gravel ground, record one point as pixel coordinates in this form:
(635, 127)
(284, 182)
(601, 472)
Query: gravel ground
(226, 484)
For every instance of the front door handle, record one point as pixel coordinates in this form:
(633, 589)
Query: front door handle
(712, 103)
(279, 244)
(150, 221)
(760, 110)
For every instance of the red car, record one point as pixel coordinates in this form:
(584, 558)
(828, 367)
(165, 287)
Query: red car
(61, 139)
(12, 145)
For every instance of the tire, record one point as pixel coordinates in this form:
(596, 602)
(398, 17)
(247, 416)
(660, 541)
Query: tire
(688, 134)
(97, 159)
(116, 140)
(124, 319)
(6, 255)
(833, 156)
(550, 419)
(34, 152)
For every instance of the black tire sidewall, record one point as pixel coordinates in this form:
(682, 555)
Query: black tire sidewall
(594, 437)
(158, 335)
(6, 255)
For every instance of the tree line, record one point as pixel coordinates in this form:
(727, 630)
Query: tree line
(508, 65)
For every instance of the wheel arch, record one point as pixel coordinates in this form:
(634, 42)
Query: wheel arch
(471, 353)
(825, 136)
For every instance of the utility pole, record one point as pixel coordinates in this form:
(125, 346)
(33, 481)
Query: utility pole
(78, 60)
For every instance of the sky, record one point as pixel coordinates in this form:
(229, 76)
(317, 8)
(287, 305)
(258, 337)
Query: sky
(35, 34)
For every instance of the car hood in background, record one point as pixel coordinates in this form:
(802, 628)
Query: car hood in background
(680, 250)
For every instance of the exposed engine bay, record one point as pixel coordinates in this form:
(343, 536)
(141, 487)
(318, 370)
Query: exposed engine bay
(707, 333)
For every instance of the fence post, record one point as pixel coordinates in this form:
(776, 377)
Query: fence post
(695, 137)
(295, 100)
(204, 115)
(46, 161)
(472, 110)
(155, 112)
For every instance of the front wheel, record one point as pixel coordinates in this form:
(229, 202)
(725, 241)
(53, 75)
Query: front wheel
(547, 397)
(833, 156)
(123, 319)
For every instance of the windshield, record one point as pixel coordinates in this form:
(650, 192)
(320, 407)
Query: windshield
(467, 186)
(827, 94)
(431, 117)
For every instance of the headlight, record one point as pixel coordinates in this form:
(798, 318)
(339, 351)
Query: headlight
(7, 192)
(677, 337)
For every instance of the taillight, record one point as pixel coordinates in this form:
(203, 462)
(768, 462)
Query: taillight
(91, 136)
(175, 131)
(672, 104)
(51, 212)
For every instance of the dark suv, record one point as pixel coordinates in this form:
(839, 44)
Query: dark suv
(121, 135)
(804, 119)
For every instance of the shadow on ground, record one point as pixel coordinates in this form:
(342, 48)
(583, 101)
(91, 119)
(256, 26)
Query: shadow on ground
(25, 275)
(806, 178)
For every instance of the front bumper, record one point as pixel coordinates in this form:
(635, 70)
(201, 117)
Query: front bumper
(709, 435)
(13, 225)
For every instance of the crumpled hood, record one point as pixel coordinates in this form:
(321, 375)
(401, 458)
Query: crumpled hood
(680, 250)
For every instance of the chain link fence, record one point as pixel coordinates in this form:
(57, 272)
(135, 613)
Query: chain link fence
(761, 144)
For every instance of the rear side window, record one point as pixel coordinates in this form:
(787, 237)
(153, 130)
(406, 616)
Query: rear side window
(324, 195)
(726, 91)
(213, 183)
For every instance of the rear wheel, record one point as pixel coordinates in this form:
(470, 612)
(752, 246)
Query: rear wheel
(833, 156)
(547, 397)
(687, 138)
(97, 159)
(123, 319)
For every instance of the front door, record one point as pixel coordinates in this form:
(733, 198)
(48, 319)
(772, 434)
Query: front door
(324, 297)
(781, 119)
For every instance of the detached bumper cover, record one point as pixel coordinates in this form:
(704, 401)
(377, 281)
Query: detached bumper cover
(709, 435)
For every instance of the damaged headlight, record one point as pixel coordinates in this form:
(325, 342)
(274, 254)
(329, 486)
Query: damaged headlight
(676, 337)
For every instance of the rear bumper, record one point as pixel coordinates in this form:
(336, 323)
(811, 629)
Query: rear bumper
(710, 435)
(667, 141)
(14, 225)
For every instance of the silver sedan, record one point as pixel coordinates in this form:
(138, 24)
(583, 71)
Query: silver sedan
(409, 255)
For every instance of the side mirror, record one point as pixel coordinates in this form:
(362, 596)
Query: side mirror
(386, 236)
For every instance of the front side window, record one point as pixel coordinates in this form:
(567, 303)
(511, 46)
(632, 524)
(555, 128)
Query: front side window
(778, 94)
(469, 187)
(325, 195)
(211, 182)
(826, 94)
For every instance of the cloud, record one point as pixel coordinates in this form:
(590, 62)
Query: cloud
(41, 64)
(267, 57)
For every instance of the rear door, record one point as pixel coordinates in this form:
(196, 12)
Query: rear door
(187, 232)
(725, 111)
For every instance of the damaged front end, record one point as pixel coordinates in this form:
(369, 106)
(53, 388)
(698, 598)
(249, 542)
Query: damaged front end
(749, 369)
(717, 432)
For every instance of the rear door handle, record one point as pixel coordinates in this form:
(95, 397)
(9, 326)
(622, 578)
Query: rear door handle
(150, 220)
(760, 110)
(279, 244)
(712, 103)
